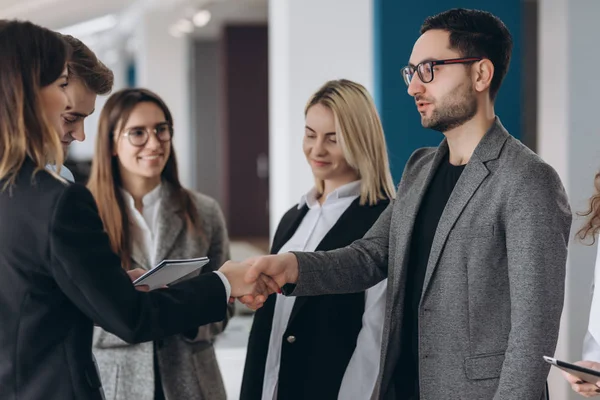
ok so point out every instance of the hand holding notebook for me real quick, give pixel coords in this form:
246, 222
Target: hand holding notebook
169, 271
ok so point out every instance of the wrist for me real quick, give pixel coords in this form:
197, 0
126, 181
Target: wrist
291, 270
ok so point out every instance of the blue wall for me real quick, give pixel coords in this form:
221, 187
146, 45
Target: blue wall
131, 75
396, 27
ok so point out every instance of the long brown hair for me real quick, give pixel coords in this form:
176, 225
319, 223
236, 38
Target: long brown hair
105, 179
591, 226
32, 58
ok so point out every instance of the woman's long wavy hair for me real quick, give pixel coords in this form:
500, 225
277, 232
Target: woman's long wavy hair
105, 178
31, 58
591, 226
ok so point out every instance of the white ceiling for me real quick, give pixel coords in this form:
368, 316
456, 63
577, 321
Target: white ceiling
56, 14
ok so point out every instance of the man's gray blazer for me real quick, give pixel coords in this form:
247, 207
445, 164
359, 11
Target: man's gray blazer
493, 290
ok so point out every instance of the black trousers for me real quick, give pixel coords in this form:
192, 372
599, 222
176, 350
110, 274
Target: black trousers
159, 394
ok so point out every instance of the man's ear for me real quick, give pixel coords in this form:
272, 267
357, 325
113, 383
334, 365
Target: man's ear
483, 73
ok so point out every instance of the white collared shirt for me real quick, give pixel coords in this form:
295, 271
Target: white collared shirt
314, 226
362, 371
591, 342
143, 225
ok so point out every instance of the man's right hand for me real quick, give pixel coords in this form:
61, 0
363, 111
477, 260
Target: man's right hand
281, 268
584, 388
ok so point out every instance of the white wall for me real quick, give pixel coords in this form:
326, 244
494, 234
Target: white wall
163, 66
310, 42
207, 140
569, 139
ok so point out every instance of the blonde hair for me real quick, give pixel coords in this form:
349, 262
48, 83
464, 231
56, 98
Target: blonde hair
32, 58
360, 135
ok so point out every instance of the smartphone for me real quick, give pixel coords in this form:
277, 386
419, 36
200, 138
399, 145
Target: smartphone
585, 374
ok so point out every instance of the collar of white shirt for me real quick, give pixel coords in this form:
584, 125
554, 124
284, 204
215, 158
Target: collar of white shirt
310, 199
150, 199
64, 172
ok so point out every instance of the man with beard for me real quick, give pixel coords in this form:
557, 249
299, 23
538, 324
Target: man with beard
88, 78
474, 245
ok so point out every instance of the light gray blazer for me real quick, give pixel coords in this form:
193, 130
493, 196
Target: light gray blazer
188, 367
493, 290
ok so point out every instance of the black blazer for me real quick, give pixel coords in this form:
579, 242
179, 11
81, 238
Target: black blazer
322, 331
58, 276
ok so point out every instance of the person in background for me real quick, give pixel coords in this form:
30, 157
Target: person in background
150, 217
59, 273
323, 347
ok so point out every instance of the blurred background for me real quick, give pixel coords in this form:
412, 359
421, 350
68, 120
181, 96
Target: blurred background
237, 73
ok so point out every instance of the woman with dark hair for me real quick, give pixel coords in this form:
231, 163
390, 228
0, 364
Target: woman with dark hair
149, 217
59, 273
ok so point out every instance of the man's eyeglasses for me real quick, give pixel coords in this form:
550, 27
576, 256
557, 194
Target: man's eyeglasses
425, 68
139, 136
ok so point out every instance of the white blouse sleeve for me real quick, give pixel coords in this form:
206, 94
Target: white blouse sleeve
363, 369
591, 342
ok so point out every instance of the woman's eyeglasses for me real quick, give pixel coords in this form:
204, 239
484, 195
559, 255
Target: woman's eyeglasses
139, 136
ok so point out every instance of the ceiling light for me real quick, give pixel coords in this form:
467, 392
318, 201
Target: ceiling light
175, 32
201, 18
185, 26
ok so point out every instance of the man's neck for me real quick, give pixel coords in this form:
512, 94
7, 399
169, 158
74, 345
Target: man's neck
463, 140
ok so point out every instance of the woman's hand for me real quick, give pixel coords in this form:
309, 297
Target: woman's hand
585, 389
136, 273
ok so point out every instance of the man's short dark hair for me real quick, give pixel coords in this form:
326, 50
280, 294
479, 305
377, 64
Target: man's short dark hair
84, 65
476, 33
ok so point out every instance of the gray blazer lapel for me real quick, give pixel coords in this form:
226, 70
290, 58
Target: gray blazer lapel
138, 256
469, 181
410, 195
169, 225
409, 207
474, 174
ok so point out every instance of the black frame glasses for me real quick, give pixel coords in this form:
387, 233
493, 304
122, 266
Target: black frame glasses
162, 135
425, 69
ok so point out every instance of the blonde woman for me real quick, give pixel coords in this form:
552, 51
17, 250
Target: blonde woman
150, 217
324, 346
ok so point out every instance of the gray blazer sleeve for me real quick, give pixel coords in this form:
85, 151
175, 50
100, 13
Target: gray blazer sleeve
538, 223
354, 268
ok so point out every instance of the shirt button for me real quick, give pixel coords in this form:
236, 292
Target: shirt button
291, 339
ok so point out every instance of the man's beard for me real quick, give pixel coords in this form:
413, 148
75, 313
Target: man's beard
457, 109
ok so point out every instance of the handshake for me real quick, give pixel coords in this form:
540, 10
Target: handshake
254, 279
251, 280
